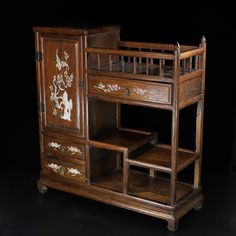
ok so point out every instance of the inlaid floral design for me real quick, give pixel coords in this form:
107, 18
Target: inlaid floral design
62, 105
62, 170
152, 94
54, 167
74, 150
54, 145
108, 88
59, 147
73, 171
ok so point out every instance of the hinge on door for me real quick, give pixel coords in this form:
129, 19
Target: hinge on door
38, 56
40, 107
81, 84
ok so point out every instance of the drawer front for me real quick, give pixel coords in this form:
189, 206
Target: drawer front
127, 89
66, 170
63, 150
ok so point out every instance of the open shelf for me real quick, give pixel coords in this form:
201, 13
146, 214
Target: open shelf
143, 186
125, 138
159, 158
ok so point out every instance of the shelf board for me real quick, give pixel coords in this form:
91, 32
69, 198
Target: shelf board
159, 158
124, 138
143, 186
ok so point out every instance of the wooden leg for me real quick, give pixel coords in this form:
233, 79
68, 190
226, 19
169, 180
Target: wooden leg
172, 225
199, 128
41, 187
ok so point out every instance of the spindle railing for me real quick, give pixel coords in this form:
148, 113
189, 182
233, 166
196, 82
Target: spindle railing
147, 61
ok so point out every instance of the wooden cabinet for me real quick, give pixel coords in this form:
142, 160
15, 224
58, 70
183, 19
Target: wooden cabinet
83, 77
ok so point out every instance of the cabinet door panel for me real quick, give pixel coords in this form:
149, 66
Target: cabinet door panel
61, 77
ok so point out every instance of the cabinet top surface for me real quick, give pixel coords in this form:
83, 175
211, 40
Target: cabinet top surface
75, 30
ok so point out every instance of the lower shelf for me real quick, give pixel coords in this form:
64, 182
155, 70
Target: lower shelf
159, 158
143, 186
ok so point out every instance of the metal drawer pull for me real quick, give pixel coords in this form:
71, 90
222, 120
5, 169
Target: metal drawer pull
63, 148
127, 92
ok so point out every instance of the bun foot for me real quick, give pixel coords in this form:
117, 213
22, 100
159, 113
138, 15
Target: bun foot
172, 225
41, 187
198, 206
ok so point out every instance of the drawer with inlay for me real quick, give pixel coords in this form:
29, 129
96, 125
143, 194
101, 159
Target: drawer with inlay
130, 89
66, 170
64, 150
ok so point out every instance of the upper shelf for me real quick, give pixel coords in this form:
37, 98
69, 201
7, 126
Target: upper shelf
159, 158
123, 139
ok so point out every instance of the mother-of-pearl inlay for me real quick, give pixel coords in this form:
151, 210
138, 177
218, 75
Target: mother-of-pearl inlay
62, 170
62, 104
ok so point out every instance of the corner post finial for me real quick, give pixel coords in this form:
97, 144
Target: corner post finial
203, 41
177, 46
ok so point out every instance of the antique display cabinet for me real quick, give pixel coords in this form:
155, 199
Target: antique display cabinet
83, 77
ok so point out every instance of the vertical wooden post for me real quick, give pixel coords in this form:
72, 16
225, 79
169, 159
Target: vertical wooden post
134, 65
190, 64
98, 62
125, 172
110, 62
88, 165
122, 64
151, 60
118, 155
140, 58
147, 66
184, 66
129, 57
152, 172
163, 60
196, 65
160, 67
199, 118
175, 126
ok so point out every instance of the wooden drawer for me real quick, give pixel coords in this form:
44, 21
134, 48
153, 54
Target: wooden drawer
127, 89
63, 150
66, 170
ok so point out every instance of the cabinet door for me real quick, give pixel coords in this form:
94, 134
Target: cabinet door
61, 82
